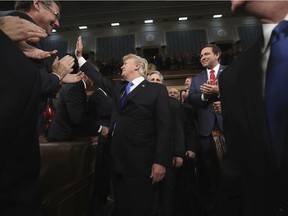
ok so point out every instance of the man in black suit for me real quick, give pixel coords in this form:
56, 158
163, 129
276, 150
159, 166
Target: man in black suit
100, 110
71, 119
19, 154
140, 141
46, 14
254, 174
168, 187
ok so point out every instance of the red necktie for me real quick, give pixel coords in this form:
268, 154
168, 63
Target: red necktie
212, 77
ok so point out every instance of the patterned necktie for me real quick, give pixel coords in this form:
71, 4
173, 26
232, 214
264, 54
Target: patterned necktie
276, 87
212, 77
127, 91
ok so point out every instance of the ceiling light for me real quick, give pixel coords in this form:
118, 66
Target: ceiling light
54, 30
82, 27
217, 16
148, 21
182, 18
115, 24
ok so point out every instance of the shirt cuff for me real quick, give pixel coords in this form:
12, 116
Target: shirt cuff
56, 75
81, 61
100, 128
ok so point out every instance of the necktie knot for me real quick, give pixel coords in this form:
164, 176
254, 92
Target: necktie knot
212, 77
127, 89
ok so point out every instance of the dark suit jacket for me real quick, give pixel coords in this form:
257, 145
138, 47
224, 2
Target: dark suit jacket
49, 82
178, 139
100, 107
205, 112
71, 118
188, 115
249, 172
140, 128
19, 153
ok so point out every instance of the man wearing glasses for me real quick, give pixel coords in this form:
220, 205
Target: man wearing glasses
46, 15
19, 172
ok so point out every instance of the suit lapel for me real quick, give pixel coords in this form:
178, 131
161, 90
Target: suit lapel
254, 104
221, 68
136, 91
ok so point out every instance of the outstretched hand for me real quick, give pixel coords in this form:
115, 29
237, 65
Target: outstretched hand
79, 47
72, 78
33, 52
20, 29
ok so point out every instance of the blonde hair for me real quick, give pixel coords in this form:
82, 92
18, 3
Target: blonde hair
138, 60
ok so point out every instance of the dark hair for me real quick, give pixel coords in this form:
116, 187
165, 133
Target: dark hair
215, 48
26, 5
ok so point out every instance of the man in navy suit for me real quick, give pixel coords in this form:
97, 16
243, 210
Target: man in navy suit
202, 93
254, 180
140, 141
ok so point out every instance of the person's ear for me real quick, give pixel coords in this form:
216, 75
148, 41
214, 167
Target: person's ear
36, 4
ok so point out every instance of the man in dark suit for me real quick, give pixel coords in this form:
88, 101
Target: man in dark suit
140, 141
100, 110
71, 119
46, 14
254, 173
168, 187
19, 154
202, 93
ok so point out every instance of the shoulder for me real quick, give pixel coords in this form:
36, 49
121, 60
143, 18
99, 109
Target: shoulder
201, 75
20, 14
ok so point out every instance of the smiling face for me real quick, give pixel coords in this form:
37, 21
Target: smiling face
208, 58
48, 15
187, 82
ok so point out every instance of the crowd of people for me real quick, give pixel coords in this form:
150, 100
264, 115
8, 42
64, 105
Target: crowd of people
158, 147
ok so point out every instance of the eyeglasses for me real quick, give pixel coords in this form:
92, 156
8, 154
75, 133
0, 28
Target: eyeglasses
57, 15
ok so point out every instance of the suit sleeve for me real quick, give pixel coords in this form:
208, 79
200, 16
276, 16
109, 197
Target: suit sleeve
194, 96
178, 129
75, 104
163, 149
50, 83
103, 82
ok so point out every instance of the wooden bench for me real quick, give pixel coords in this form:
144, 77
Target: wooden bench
66, 176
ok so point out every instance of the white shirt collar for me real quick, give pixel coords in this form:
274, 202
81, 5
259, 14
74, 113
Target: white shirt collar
216, 69
137, 81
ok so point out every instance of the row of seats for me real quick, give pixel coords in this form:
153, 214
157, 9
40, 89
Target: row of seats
66, 176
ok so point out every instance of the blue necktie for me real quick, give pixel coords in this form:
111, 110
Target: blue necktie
127, 91
276, 89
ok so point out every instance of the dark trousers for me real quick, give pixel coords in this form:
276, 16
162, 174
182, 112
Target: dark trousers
208, 171
187, 201
134, 195
168, 193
